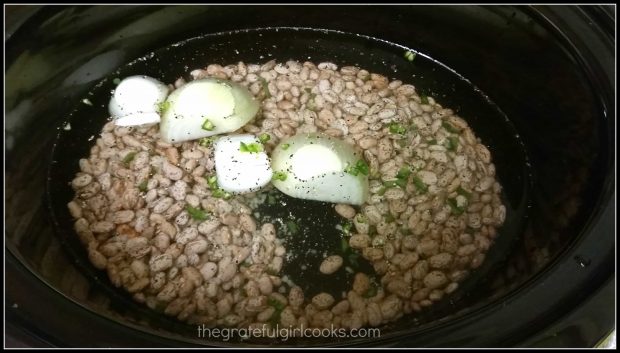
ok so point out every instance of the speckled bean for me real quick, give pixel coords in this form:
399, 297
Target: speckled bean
331, 264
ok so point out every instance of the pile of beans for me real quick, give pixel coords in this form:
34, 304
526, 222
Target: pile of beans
432, 214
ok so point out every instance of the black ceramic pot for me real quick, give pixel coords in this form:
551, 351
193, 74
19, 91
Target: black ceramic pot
537, 84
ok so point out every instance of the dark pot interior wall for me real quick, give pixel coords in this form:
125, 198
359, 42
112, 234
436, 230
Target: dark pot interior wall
562, 114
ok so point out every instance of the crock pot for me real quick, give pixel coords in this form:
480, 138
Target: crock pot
550, 69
